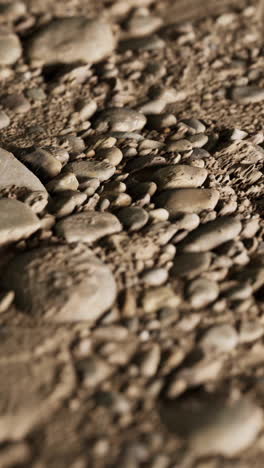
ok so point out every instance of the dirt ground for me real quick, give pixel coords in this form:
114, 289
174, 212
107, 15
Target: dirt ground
101, 393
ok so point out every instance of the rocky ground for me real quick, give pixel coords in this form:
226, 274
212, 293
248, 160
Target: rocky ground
131, 234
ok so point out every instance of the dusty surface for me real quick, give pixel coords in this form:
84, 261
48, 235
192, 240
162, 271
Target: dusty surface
165, 369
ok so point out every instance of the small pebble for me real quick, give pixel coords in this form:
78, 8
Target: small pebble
201, 292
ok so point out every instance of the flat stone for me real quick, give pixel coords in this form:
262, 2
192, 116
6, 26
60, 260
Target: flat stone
67, 201
43, 163
120, 120
160, 121
158, 298
188, 200
212, 425
142, 25
221, 338
212, 234
91, 168
17, 103
179, 145
17, 221
179, 176
198, 140
247, 94
88, 226
10, 48
61, 283
202, 292
14, 174
196, 125
191, 264
64, 181
70, 40
133, 217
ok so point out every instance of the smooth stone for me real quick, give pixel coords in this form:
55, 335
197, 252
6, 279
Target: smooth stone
142, 25
149, 361
114, 155
212, 234
71, 40
67, 201
14, 174
133, 217
247, 94
61, 283
212, 425
202, 292
87, 226
195, 124
12, 11
179, 145
64, 181
188, 200
191, 264
91, 168
10, 48
17, 103
120, 120
4, 120
86, 109
199, 153
155, 276
221, 338
198, 140
152, 42
43, 163
158, 298
17, 221
160, 121
179, 176
250, 331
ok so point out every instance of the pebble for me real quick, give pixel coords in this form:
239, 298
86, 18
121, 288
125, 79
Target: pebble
149, 361
10, 48
12, 11
212, 234
66, 203
17, 103
4, 120
179, 145
88, 226
195, 125
145, 43
247, 94
91, 168
221, 338
191, 264
120, 120
163, 120
64, 181
17, 221
198, 140
238, 134
113, 155
86, 109
72, 283
14, 173
201, 292
188, 200
212, 425
42, 162
70, 40
6, 299
250, 331
142, 25
179, 176
155, 276
93, 371
158, 298
133, 217
159, 214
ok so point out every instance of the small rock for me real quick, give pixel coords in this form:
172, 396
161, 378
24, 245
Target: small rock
198, 140
133, 218
10, 48
191, 264
155, 276
250, 331
90, 168
66, 203
6, 299
179, 176
17, 103
142, 25
43, 163
212, 234
114, 155
221, 338
149, 361
247, 94
93, 371
88, 226
17, 221
196, 125
160, 121
86, 109
158, 298
188, 200
202, 292
70, 40
64, 181
179, 145
120, 120
61, 283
